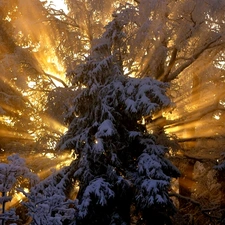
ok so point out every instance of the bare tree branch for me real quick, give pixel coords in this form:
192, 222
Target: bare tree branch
173, 75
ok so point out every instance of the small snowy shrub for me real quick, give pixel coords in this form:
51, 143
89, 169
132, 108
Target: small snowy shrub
47, 202
13, 176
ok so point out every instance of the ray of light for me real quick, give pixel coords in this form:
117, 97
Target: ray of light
43, 41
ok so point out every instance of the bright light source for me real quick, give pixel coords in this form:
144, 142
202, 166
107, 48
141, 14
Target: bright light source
58, 4
31, 84
49, 155
216, 116
7, 120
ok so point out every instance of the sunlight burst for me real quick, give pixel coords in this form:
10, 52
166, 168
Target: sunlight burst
58, 4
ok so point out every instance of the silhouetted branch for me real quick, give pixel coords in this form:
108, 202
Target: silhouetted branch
173, 75
55, 78
164, 77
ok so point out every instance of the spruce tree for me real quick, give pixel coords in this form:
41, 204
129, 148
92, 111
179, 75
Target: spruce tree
122, 171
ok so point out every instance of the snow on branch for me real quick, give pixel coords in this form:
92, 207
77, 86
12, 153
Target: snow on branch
150, 166
106, 129
151, 193
101, 190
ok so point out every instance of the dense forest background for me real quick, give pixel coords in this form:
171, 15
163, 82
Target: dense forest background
102, 99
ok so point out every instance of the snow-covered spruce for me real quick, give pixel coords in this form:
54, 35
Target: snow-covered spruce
120, 165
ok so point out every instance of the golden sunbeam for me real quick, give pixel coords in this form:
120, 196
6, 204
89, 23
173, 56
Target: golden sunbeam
24, 81
43, 39
6, 133
54, 125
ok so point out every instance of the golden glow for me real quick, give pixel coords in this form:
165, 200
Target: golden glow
42, 59
54, 125
7, 120
40, 163
31, 84
42, 43
49, 155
